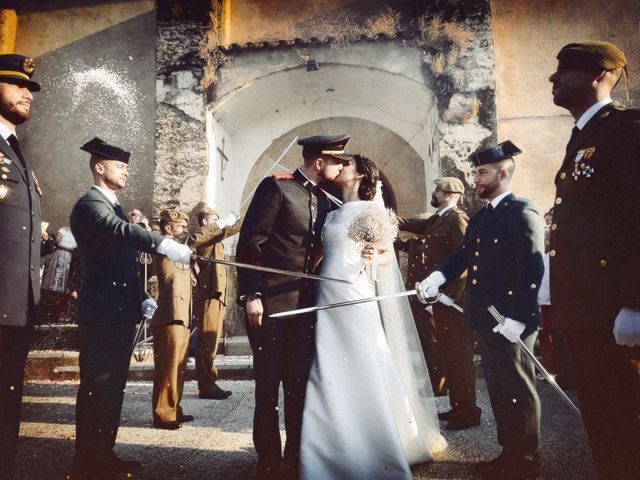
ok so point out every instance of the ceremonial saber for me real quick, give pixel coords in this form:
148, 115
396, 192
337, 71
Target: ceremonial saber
250, 196
260, 268
300, 311
552, 381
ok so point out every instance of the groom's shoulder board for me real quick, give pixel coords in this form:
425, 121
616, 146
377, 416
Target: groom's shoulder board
283, 176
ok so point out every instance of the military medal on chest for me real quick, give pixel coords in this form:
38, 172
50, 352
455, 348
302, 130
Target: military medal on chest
580, 165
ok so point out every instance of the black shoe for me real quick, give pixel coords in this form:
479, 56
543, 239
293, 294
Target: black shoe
182, 418
170, 425
125, 466
462, 423
446, 416
217, 394
509, 467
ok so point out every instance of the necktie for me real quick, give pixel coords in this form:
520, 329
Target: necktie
574, 133
120, 211
15, 145
489, 207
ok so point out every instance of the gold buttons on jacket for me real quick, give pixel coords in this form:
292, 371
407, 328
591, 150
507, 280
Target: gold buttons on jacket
533, 286
475, 268
552, 253
558, 201
603, 263
510, 292
474, 281
554, 227
563, 175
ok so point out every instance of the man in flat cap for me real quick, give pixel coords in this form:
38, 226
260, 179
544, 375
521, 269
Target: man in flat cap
210, 301
20, 219
282, 230
109, 306
440, 235
595, 255
502, 252
170, 327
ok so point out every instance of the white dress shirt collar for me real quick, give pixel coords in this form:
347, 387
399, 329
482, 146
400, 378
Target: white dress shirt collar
5, 132
109, 194
591, 111
444, 210
498, 199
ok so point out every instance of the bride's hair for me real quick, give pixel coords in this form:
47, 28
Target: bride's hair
366, 167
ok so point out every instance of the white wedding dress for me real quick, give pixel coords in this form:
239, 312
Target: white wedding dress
365, 417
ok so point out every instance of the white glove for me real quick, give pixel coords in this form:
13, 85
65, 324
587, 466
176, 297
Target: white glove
511, 329
148, 308
428, 288
626, 330
227, 220
176, 252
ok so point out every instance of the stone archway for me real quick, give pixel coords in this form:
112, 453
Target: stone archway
401, 167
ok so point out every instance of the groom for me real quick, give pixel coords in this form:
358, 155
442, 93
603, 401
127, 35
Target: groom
282, 230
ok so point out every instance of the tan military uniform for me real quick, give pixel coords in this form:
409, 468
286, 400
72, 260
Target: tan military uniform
210, 300
170, 328
439, 236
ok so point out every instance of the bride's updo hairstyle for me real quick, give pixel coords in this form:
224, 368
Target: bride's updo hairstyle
369, 181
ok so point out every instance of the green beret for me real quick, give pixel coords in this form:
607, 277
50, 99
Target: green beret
450, 184
592, 56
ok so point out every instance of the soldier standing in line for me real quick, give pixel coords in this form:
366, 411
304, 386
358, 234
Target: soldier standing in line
502, 252
210, 302
440, 235
20, 218
595, 254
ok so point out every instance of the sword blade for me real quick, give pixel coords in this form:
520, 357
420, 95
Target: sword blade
550, 378
291, 313
260, 268
250, 195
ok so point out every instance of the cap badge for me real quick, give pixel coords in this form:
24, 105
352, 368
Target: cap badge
28, 65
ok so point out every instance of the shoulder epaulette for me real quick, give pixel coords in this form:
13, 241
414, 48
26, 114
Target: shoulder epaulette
283, 176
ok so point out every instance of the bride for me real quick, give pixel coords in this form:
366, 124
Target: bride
369, 410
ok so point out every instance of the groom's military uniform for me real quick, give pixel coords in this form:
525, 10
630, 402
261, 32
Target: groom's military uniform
282, 230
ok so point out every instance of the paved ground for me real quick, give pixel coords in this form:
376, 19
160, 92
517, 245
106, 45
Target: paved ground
217, 445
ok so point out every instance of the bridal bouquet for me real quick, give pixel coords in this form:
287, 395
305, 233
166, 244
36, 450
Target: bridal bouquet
375, 225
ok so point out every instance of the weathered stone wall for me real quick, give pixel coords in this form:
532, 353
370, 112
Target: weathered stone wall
527, 36
95, 61
181, 145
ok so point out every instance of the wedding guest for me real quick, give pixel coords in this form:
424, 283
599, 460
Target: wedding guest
282, 229
20, 219
595, 287
55, 283
502, 251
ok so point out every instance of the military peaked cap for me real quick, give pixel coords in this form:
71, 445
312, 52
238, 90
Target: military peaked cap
450, 184
18, 69
592, 56
100, 148
332, 145
174, 216
495, 154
